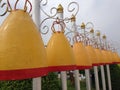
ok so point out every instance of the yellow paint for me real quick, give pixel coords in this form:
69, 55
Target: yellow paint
99, 55
59, 51
117, 59
92, 54
21, 46
81, 56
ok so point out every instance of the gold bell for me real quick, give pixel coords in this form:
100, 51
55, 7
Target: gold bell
92, 55
106, 57
81, 56
22, 52
117, 59
59, 52
99, 56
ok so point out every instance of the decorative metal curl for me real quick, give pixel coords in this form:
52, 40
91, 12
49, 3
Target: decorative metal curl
89, 25
73, 9
25, 6
2, 6
45, 3
51, 10
68, 37
58, 22
45, 27
78, 38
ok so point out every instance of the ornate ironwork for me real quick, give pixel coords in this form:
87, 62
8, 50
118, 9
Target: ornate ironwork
2, 5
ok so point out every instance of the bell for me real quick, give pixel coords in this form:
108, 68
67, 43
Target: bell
117, 59
110, 57
81, 56
99, 56
59, 52
106, 57
92, 55
22, 52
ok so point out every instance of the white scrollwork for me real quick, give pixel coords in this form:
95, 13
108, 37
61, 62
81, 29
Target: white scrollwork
71, 7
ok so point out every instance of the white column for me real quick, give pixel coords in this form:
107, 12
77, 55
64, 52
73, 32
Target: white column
76, 72
87, 74
95, 70
64, 80
77, 81
102, 69
103, 77
63, 73
36, 19
109, 78
96, 78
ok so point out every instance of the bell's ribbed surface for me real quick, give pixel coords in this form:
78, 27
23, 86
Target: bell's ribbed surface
22, 53
81, 57
60, 54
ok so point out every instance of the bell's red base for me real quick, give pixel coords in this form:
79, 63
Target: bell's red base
96, 64
22, 74
84, 67
61, 68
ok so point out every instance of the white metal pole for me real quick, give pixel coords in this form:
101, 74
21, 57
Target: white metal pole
87, 74
96, 78
36, 19
95, 70
62, 73
76, 72
77, 81
87, 71
64, 80
109, 78
102, 68
103, 77
107, 67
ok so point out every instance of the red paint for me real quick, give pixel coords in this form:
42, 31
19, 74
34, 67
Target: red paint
22, 74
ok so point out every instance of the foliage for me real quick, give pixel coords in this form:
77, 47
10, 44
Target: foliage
51, 82
115, 76
16, 85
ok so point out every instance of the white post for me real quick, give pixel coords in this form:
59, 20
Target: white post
95, 69
87, 71
62, 73
76, 72
36, 19
77, 81
103, 77
109, 78
64, 80
107, 66
87, 74
96, 78
102, 68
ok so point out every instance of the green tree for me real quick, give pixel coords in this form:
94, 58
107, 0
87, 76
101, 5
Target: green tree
51, 82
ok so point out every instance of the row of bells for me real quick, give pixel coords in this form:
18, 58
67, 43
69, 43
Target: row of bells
23, 55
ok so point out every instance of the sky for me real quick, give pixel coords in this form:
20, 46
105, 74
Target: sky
104, 14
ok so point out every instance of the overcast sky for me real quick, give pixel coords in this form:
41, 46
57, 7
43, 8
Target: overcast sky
105, 14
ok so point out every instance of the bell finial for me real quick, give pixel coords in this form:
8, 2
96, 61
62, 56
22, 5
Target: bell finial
73, 18
82, 25
60, 9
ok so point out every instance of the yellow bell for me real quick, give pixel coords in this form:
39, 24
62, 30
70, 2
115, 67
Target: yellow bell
81, 57
117, 59
106, 57
22, 53
92, 55
111, 56
114, 58
99, 56
60, 54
